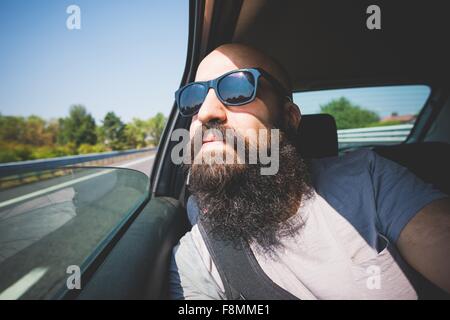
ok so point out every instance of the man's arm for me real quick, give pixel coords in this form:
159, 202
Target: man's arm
425, 242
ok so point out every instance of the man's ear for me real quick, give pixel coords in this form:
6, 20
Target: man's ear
291, 115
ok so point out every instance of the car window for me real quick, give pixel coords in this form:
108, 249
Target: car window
368, 116
55, 226
85, 92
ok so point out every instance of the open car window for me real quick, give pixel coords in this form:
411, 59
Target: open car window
368, 116
85, 91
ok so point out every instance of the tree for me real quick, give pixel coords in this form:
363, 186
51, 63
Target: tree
32, 130
78, 128
52, 131
156, 127
100, 133
114, 131
11, 128
348, 115
136, 133
35, 132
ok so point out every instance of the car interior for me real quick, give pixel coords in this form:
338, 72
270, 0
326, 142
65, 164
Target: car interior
341, 53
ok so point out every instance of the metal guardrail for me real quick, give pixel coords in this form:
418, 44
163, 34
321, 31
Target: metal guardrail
11, 168
373, 136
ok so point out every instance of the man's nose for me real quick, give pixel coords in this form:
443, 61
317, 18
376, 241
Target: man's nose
212, 109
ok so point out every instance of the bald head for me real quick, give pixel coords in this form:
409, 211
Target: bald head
266, 111
233, 56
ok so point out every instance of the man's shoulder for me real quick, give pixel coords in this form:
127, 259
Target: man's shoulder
346, 184
354, 167
362, 158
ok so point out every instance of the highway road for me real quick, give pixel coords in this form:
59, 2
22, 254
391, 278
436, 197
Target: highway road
49, 225
143, 164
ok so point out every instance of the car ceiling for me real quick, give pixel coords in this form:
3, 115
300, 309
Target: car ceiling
326, 44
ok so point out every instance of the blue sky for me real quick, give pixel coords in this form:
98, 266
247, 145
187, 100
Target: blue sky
128, 57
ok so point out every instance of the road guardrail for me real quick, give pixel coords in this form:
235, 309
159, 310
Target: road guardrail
373, 136
21, 167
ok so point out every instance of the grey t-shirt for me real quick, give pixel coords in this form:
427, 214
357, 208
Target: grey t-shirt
346, 247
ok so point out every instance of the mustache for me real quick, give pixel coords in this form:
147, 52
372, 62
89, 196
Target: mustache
216, 127
253, 147
228, 135
220, 132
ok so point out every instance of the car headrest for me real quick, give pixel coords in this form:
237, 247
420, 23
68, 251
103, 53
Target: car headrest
317, 136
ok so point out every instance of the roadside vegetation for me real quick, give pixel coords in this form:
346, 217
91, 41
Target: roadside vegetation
29, 138
349, 115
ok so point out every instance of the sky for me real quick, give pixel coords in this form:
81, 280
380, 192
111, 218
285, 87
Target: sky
128, 57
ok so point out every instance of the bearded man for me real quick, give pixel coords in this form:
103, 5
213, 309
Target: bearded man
315, 228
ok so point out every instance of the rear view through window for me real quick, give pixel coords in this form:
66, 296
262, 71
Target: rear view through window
368, 116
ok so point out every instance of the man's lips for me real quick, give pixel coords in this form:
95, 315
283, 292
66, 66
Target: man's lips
209, 141
211, 138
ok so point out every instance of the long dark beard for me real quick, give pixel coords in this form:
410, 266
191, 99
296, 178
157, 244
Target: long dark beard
237, 202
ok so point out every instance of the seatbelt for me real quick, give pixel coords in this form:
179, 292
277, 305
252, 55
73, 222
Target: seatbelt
241, 275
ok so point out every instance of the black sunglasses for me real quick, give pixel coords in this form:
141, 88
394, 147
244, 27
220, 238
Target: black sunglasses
234, 88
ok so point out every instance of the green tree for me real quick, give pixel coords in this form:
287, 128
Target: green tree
348, 115
11, 128
100, 133
32, 130
114, 131
35, 132
156, 127
78, 128
52, 131
136, 133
